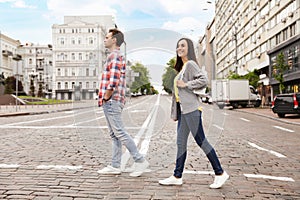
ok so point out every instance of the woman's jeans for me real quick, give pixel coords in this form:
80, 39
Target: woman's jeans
192, 122
113, 114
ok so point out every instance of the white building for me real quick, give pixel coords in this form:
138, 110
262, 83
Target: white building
78, 55
38, 67
10, 60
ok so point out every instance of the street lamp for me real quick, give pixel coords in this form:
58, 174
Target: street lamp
17, 58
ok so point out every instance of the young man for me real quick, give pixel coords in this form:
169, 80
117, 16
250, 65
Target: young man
112, 99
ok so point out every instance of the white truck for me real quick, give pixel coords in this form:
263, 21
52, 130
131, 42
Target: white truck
234, 93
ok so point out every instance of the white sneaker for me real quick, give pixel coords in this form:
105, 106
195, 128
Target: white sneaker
140, 168
110, 170
172, 180
219, 181
129, 169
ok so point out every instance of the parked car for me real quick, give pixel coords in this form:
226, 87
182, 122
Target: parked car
286, 104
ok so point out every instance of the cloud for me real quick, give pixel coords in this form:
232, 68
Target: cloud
18, 4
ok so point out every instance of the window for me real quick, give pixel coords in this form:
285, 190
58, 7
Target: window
80, 56
79, 40
66, 71
87, 85
73, 41
73, 72
94, 85
58, 72
87, 71
30, 61
66, 85
73, 56
59, 85
62, 41
91, 40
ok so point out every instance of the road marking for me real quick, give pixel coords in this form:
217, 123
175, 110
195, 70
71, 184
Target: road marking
198, 172
269, 177
6, 166
279, 155
284, 129
59, 167
147, 128
246, 120
219, 127
137, 111
62, 127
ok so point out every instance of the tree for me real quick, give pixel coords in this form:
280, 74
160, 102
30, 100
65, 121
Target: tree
279, 69
10, 85
140, 82
40, 91
168, 76
32, 88
253, 77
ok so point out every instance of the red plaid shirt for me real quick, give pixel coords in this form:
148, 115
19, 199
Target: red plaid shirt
113, 77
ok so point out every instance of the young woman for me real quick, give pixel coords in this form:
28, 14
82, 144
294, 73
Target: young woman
186, 108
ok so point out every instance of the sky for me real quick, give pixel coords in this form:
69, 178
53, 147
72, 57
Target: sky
163, 22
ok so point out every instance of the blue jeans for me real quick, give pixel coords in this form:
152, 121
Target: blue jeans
113, 114
192, 122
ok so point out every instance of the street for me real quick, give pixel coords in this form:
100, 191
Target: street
57, 155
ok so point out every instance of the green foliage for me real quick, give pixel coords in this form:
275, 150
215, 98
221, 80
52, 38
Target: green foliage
168, 76
279, 69
253, 77
40, 91
32, 88
10, 85
142, 82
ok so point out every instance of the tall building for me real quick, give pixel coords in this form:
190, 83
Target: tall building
247, 35
78, 55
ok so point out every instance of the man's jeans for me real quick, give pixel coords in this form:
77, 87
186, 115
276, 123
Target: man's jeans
192, 122
113, 114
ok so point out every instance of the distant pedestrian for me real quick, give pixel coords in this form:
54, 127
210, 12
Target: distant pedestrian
112, 99
186, 108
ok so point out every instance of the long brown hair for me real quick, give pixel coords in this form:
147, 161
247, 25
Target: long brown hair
191, 54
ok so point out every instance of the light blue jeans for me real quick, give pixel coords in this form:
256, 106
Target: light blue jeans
113, 114
192, 122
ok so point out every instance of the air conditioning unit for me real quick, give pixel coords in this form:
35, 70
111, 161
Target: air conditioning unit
254, 24
258, 55
277, 3
290, 14
258, 37
283, 20
254, 8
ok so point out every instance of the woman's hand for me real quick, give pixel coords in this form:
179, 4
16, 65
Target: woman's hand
181, 84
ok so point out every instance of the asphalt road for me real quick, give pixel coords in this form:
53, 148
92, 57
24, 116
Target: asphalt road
57, 155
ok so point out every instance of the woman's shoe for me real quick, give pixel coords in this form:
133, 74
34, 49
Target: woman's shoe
172, 180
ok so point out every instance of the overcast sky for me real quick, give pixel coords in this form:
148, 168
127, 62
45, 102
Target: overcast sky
167, 20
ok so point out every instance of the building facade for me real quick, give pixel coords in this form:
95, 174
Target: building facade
10, 59
78, 55
243, 33
37, 69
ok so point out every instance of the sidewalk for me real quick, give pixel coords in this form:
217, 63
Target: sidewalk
12, 110
268, 113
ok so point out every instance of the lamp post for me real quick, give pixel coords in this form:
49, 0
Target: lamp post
17, 58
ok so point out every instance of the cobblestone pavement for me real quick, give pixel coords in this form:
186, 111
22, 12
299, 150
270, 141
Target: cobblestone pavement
47, 157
